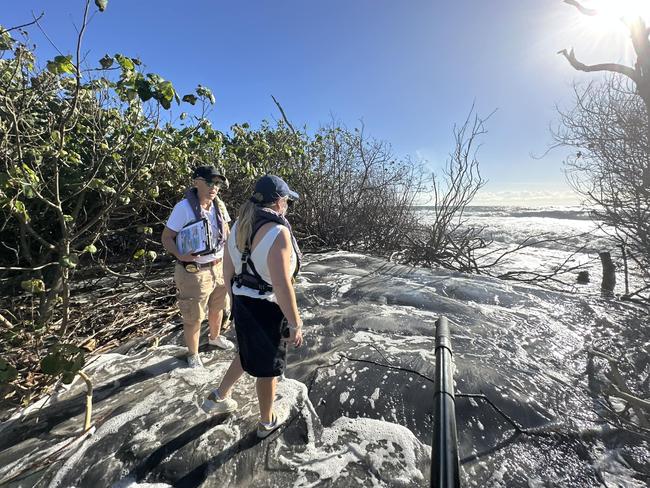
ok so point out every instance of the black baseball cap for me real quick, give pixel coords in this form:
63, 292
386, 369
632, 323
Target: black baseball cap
270, 187
209, 173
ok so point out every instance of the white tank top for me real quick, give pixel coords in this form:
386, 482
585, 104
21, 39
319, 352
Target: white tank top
259, 256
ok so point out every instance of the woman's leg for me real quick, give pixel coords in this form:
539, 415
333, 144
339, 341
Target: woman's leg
233, 373
265, 396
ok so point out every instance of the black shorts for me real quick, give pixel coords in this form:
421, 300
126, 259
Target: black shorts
259, 325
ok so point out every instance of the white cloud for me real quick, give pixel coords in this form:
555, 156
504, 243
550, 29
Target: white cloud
527, 198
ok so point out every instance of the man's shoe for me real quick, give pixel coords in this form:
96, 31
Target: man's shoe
194, 361
215, 404
264, 429
221, 342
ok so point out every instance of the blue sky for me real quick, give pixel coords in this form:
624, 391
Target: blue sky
408, 69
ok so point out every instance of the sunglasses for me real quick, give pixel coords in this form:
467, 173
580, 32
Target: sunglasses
211, 184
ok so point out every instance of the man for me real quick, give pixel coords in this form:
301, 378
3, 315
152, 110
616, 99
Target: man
199, 278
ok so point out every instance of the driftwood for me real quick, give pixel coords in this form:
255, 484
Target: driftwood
619, 388
104, 313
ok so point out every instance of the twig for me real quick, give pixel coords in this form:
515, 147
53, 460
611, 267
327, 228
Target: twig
35, 21
284, 116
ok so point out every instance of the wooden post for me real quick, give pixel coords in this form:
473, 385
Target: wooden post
609, 273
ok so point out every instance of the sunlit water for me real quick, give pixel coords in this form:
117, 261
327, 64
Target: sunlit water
358, 395
559, 237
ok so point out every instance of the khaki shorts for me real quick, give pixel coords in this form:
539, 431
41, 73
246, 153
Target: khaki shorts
199, 291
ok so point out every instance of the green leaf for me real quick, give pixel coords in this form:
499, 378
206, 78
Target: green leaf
106, 62
183, 115
139, 254
33, 286
30, 174
7, 372
18, 208
68, 377
61, 65
165, 93
70, 261
154, 192
28, 190
52, 364
66, 359
101, 4
143, 87
90, 248
73, 157
206, 93
151, 255
189, 98
67, 218
6, 41
145, 230
126, 63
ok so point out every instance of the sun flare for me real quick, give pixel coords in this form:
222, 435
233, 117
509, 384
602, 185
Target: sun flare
625, 10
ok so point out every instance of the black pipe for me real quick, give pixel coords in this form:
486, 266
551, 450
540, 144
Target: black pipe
444, 448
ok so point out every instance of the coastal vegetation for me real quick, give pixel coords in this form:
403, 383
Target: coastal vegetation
608, 128
92, 158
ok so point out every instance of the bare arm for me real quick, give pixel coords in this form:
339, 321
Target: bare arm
228, 271
279, 263
168, 240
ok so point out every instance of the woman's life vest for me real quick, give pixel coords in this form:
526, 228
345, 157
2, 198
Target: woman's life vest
249, 277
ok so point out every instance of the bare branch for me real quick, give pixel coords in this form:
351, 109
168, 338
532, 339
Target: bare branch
284, 116
35, 268
36, 19
582, 9
612, 67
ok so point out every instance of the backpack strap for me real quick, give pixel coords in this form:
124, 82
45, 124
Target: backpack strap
251, 279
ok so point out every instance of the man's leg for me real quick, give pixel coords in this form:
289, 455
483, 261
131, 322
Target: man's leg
217, 302
192, 292
215, 316
265, 396
191, 332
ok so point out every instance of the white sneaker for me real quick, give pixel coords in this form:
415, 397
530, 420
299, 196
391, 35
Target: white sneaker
264, 429
221, 342
215, 404
194, 361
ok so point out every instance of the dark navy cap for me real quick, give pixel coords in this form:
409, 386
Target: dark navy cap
209, 173
270, 187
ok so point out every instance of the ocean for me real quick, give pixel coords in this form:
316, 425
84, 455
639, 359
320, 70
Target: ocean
559, 237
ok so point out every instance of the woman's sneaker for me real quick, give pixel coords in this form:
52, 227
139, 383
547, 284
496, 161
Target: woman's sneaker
264, 429
221, 342
194, 361
215, 404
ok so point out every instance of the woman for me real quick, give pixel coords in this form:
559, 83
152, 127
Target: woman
261, 259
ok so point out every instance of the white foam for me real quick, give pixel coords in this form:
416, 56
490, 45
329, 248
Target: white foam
390, 451
111, 426
132, 483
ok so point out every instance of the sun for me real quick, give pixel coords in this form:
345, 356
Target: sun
625, 10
